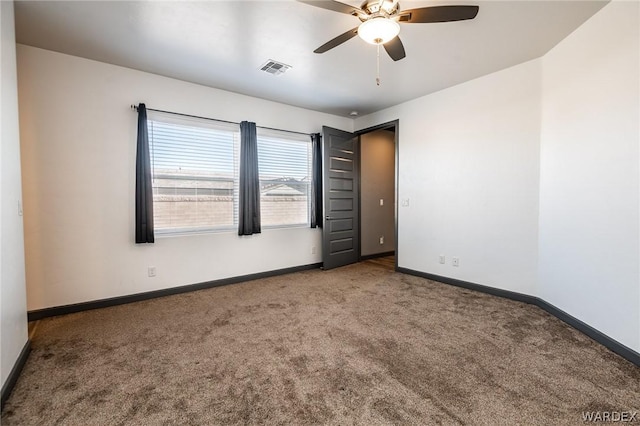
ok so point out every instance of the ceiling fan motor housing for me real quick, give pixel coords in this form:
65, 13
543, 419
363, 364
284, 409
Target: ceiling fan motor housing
375, 8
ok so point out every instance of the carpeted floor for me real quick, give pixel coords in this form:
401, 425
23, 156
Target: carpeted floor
356, 345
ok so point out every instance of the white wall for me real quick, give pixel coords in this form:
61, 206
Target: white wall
78, 147
589, 192
13, 307
469, 166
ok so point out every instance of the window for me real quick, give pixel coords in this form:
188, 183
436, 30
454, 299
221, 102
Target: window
285, 177
195, 173
195, 166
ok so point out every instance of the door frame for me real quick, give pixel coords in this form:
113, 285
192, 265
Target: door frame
395, 124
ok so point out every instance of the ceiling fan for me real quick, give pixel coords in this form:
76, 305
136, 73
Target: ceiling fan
380, 21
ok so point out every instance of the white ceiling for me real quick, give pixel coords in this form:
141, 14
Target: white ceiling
222, 44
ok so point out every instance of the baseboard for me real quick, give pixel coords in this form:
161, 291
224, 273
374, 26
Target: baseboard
598, 336
520, 297
121, 300
613, 345
15, 373
377, 255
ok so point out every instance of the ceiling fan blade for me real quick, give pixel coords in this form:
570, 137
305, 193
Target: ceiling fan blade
425, 15
395, 49
337, 41
336, 6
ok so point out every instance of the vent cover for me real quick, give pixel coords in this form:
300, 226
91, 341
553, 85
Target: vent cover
274, 67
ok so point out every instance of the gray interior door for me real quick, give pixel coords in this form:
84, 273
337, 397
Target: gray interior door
340, 176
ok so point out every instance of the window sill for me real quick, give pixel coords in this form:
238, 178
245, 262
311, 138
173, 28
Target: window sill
196, 232
270, 227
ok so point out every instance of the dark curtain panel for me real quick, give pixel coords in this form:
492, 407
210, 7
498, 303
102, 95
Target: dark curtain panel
144, 192
249, 205
316, 181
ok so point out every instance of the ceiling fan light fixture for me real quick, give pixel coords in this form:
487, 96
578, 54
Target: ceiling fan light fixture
378, 30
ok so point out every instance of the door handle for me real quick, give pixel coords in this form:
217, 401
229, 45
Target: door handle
328, 217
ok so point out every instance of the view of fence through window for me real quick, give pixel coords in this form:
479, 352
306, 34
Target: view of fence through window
285, 177
195, 166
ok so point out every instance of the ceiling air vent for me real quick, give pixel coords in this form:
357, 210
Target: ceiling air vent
274, 67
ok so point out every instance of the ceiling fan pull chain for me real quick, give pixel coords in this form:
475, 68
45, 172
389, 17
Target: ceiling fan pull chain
378, 67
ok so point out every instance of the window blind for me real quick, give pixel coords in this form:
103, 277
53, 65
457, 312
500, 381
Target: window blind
284, 161
195, 173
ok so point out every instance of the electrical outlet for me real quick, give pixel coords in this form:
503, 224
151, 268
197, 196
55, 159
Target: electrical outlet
151, 271
442, 259
313, 250
455, 261
382, 240
381, 202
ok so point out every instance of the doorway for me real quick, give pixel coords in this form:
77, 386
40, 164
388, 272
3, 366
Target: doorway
377, 193
345, 239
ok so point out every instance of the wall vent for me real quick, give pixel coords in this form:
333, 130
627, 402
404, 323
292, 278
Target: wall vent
274, 67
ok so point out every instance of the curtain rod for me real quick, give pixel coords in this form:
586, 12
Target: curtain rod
134, 107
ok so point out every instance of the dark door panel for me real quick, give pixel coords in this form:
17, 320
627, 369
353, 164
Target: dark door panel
340, 237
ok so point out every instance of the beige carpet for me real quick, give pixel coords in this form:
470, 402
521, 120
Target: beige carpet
357, 345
